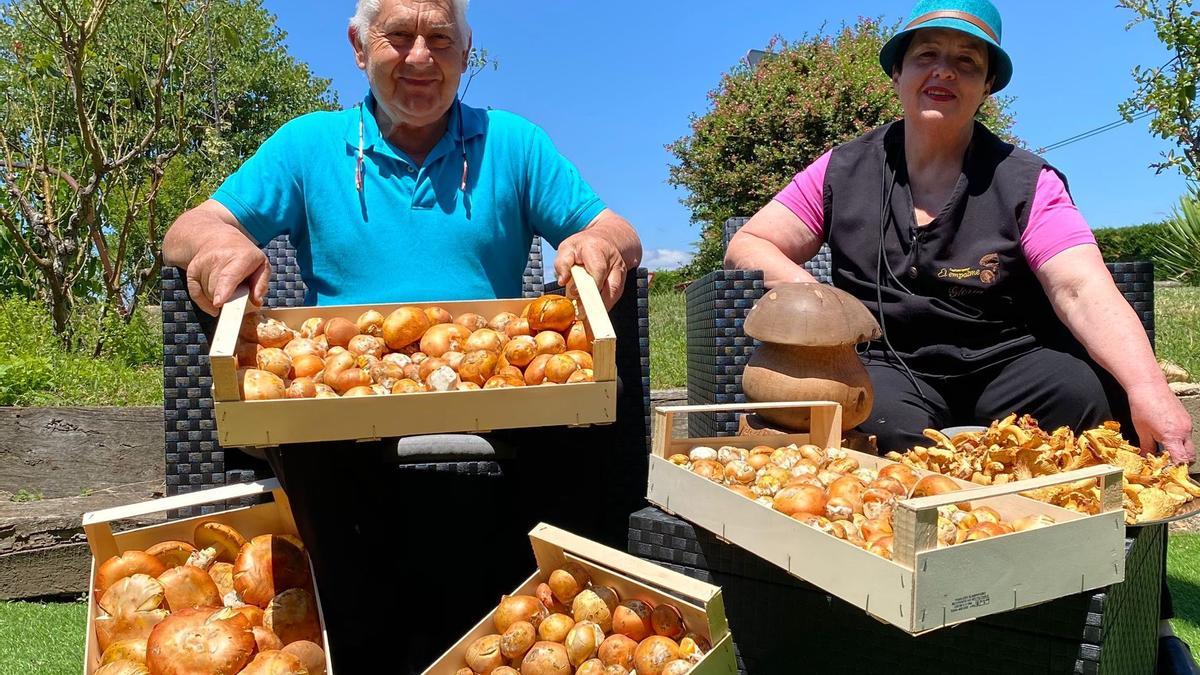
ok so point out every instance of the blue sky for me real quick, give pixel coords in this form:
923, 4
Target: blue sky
613, 82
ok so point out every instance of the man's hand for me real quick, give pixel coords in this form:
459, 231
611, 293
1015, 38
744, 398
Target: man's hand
218, 255
599, 257
608, 248
220, 266
1159, 418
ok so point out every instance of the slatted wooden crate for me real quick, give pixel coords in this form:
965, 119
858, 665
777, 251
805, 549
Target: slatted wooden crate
273, 517
268, 423
700, 604
924, 587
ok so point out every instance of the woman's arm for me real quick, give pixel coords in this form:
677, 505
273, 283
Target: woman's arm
1085, 298
775, 241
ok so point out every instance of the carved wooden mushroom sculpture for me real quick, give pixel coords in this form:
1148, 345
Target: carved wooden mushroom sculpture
808, 333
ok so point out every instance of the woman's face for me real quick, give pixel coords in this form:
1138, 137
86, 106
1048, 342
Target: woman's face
943, 78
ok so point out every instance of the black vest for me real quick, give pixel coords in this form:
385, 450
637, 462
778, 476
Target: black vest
959, 295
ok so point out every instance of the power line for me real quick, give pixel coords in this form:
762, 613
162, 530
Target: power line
1107, 127
1094, 132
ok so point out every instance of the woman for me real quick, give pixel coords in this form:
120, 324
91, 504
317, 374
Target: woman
987, 282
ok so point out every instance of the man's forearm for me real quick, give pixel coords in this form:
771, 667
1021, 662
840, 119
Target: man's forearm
191, 231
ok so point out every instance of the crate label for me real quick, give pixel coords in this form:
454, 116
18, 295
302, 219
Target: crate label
970, 602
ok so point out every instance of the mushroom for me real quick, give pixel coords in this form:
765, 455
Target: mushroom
186, 586
127, 564
122, 667
808, 333
266, 567
310, 653
171, 553
292, 615
275, 662
137, 593
223, 538
111, 629
125, 650
187, 642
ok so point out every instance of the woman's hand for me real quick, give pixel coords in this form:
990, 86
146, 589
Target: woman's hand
1159, 418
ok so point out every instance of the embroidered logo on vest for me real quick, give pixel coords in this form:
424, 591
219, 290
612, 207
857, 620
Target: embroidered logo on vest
986, 272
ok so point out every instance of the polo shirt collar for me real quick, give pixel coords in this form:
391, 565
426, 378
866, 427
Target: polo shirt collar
372, 137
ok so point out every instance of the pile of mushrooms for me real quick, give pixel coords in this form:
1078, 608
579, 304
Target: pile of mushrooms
808, 333
827, 489
413, 349
572, 626
220, 604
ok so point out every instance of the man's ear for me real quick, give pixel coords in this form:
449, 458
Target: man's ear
466, 59
360, 56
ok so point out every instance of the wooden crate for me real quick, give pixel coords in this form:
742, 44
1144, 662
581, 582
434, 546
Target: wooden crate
633, 578
268, 423
924, 587
271, 518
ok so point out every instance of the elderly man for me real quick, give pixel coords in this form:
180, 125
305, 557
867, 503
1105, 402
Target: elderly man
409, 196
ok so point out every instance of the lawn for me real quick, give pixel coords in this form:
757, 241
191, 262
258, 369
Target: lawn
668, 340
41, 638
1176, 318
1177, 327
1183, 576
48, 638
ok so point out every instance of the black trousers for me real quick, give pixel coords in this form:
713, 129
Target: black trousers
408, 561
1058, 388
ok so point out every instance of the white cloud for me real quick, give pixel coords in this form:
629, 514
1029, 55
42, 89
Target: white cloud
665, 259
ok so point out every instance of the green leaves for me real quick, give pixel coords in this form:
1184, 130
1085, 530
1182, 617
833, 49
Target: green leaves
1179, 248
227, 83
1169, 91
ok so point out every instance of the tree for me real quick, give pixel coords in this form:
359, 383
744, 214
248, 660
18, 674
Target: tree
767, 123
117, 115
1168, 92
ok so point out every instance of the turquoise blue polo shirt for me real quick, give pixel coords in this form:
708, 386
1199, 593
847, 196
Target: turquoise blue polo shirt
411, 234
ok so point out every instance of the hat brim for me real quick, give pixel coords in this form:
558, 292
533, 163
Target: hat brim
890, 54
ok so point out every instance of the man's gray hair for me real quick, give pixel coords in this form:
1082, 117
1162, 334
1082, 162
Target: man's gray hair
366, 11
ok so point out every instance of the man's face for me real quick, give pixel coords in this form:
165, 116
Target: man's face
414, 55
944, 76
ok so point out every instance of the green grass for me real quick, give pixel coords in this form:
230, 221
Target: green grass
41, 638
1183, 576
1177, 327
668, 340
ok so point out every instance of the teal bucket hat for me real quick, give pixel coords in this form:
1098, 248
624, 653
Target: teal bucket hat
977, 18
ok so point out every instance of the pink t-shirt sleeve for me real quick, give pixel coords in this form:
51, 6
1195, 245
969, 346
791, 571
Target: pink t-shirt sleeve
805, 195
1055, 225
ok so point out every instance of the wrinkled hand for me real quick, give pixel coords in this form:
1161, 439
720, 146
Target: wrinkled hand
599, 257
1159, 417
223, 264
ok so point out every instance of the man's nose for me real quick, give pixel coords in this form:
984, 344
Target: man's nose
419, 54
